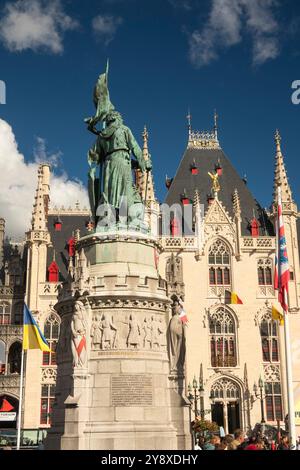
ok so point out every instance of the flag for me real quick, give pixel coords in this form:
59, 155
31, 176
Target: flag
183, 316
32, 335
232, 298
6, 406
276, 315
282, 258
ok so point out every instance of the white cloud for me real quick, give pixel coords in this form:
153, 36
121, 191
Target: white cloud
227, 23
18, 181
36, 25
105, 27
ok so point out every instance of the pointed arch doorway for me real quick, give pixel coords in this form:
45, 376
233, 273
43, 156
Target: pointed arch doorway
225, 398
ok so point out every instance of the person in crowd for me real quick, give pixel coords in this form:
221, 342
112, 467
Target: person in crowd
212, 443
284, 443
239, 438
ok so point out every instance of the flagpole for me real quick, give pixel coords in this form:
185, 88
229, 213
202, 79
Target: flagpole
20, 401
288, 356
289, 378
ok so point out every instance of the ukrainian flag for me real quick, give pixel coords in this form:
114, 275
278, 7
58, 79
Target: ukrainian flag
32, 335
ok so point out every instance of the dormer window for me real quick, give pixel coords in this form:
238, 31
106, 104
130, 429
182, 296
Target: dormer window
71, 247
254, 225
184, 199
194, 168
218, 168
53, 272
57, 224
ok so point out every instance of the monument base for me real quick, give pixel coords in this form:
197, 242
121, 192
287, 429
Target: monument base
119, 394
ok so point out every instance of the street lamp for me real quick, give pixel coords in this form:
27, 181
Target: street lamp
193, 395
260, 395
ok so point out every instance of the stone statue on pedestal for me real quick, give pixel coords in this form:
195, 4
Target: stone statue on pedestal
176, 340
79, 330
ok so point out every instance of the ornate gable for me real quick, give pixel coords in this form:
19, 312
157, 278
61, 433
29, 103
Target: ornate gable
217, 214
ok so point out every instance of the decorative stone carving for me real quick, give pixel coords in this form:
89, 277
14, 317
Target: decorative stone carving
272, 373
49, 375
147, 334
96, 333
174, 275
133, 340
79, 331
176, 340
216, 214
108, 340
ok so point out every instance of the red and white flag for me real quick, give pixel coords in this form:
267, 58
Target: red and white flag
282, 273
183, 316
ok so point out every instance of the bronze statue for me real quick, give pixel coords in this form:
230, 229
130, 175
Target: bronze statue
114, 189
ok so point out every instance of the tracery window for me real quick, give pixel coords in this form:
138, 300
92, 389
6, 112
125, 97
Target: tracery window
5, 312
219, 262
273, 394
47, 400
269, 340
264, 272
51, 334
222, 339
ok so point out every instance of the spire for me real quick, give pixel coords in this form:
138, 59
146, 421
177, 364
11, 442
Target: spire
236, 204
40, 207
144, 181
216, 117
280, 177
189, 120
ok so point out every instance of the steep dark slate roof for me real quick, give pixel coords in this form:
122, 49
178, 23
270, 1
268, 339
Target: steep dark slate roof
205, 160
70, 223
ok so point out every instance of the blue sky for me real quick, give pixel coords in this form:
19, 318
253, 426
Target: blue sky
238, 56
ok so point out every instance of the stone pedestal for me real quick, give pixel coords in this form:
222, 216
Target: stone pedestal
115, 390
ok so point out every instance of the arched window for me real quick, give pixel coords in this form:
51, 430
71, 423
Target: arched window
2, 357
273, 394
219, 261
222, 339
5, 310
48, 396
269, 340
51, 333
264, 272
18, 314
14, 358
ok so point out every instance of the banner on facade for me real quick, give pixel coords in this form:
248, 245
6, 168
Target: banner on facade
5, 416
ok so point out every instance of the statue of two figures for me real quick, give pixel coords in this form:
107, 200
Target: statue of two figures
114, 198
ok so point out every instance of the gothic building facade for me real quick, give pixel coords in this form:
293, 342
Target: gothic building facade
227, 244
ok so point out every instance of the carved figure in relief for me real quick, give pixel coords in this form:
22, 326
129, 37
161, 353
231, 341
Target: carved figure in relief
79, 329
154, 333
162, 334
176, 340
108, 337
147, 337
96, 333
133, 339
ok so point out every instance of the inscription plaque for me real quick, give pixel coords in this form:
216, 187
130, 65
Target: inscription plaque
132, 390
